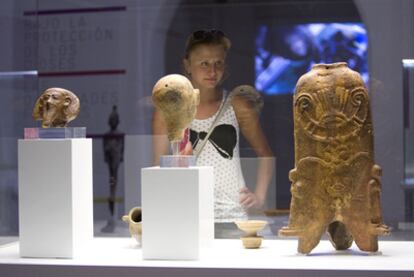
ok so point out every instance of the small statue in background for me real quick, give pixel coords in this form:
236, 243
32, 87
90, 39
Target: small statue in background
177, 101
335, 183
56, 107
248, 94
113, 146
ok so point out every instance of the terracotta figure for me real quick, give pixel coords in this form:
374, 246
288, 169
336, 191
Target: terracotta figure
177, 101
113, 146
56, 107
335, 183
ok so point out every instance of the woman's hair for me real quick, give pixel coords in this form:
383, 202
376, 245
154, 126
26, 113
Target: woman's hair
206, 36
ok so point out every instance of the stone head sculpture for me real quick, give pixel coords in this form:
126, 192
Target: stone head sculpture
248, 94
56, 107
335, 183
177, 101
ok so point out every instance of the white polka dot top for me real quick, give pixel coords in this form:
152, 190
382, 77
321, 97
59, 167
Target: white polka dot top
222, 152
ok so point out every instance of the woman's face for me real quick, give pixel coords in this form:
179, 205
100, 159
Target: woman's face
206, 65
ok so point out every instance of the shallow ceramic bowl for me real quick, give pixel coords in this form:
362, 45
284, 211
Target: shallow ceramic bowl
251, 242
250, 227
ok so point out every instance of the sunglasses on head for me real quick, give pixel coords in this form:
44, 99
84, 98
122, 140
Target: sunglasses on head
207, 34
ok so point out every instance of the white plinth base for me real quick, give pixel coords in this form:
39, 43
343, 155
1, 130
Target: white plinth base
177, 212
55, 197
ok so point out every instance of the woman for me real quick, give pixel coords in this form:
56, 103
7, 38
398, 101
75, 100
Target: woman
205, 65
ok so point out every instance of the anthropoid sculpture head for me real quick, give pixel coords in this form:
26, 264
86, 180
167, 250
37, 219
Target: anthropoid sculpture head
56, 107
177, 101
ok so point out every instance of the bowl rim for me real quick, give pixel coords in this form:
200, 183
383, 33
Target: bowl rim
250, 222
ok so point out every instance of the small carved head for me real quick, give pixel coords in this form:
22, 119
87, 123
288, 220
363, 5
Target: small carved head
56, 107
249, 95
177, 100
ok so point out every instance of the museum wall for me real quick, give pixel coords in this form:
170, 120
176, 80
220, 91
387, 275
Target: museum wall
390, 27
12, 115
114, 58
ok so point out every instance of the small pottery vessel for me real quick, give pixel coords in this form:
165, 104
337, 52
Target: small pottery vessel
134, 219
251, 227
252, 242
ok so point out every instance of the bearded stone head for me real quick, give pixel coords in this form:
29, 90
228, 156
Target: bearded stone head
177, 101
56, 107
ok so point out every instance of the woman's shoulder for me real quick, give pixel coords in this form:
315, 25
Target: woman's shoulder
209, 110
241, 105
246, 104
246, 97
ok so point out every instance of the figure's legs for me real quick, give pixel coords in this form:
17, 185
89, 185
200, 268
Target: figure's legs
363, 239
113, 180
110, 226
310, 213
314, 227
311, 236
308, 227
112, 194
359, 226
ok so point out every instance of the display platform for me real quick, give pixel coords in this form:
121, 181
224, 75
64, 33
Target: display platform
55, 133
55, 196
122, 257
178, 205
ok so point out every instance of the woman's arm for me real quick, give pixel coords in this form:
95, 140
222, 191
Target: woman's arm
248, 120
160, 143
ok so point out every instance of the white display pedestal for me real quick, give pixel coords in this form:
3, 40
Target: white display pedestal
177, 212
55, 196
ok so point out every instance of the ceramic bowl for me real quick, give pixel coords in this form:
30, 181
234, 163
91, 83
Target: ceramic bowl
250, 227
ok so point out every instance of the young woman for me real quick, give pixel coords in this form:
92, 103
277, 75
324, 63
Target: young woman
205, 65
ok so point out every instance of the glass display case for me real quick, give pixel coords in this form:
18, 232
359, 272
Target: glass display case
19, 88
408, 182
111, 53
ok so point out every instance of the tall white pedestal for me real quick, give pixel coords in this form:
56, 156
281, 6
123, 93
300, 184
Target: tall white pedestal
177, 212
55, 197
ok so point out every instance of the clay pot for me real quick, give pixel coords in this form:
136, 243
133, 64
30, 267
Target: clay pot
252, 242
134, 219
